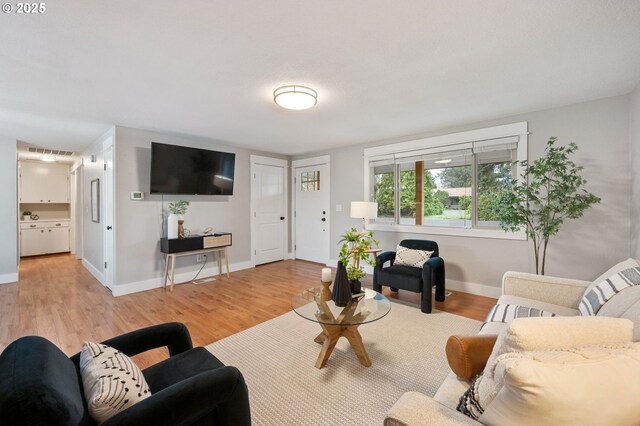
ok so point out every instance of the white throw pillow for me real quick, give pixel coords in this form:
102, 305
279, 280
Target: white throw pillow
582, 386
541, 334
112, 381
545, 333
410, 257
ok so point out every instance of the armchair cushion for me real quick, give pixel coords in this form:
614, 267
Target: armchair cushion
213, 397
39, 385
180, 367
112, 382
411, 257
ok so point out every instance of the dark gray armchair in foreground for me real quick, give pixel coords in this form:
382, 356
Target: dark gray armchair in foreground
40, 385
418, 280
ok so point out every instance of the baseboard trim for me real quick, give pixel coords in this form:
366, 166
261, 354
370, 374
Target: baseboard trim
463, 286
290, 256
93, 270
150, 284
11, 278
474, 288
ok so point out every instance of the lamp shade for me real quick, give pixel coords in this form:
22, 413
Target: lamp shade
364, 209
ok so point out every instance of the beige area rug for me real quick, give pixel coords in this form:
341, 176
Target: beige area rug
277, 360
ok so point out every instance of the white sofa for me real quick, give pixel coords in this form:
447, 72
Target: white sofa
560, 296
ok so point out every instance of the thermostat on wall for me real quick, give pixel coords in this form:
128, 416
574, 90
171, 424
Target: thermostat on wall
137, 195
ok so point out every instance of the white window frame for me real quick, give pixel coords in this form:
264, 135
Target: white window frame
450, 141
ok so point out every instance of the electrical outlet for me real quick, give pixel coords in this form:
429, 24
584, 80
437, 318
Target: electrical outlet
200, 258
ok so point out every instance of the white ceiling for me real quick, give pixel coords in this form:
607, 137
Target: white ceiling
383, 69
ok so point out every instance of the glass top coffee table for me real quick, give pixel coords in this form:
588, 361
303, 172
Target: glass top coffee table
316, 305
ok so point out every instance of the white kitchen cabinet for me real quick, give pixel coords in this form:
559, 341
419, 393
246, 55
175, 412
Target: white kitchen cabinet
32, 241
58, 240
44, 237
44, 182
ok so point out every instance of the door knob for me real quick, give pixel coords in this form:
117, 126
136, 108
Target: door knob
324, 212
324, 219
281, 217
109, 227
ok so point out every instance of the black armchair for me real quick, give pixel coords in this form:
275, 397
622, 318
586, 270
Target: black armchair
418, 280
40, 385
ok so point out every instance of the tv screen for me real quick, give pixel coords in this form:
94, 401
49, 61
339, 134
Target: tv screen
190, 171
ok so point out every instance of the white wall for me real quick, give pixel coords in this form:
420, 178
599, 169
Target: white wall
139, 224
9, 211
634, 145
583, 249
92, 232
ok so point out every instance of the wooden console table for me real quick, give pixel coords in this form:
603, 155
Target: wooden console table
190, 246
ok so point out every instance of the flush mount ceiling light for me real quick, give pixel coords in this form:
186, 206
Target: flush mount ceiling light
443, 161
295, 97
48, 158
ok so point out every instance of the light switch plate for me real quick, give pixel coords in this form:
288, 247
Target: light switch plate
136, 195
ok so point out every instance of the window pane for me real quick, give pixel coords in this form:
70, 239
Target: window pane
384, 192
310, 181
448, 190
495, 171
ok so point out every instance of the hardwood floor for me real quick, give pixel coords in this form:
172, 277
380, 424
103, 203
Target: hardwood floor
57, 298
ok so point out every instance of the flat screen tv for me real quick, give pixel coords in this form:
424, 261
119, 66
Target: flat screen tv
190, 171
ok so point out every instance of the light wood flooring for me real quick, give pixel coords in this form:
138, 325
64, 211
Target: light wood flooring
59, 299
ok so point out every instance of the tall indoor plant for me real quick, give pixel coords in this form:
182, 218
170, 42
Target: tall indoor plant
550, 190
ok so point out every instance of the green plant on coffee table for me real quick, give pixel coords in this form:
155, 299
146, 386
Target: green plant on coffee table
178, 207
354, 250
26, 213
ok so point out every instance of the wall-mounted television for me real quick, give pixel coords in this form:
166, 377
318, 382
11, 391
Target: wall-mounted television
190, 171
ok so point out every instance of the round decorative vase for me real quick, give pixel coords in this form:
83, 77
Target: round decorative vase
181, 228
356, 286
172, 226
341, 294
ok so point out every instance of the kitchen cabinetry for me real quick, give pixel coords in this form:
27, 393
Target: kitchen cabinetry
44, 237
44, 182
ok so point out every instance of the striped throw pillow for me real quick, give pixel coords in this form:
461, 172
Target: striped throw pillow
507, 312
410, 257
601, 293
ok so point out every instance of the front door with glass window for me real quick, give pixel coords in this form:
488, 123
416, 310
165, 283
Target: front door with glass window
312, 213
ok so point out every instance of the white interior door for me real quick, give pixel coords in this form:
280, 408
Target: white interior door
107, 220
312, 213
269, 205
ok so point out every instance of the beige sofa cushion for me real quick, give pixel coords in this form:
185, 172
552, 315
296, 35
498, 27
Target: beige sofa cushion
541, 334
582, 386
544, 333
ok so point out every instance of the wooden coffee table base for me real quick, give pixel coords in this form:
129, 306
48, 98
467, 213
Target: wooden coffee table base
329, 337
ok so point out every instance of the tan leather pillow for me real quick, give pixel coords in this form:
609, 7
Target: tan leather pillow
467, 355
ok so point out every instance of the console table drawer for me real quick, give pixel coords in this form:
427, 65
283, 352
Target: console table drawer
216, 241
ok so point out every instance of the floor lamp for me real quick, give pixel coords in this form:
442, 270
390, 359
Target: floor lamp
364, 210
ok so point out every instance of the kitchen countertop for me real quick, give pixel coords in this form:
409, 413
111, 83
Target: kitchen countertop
46, 220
